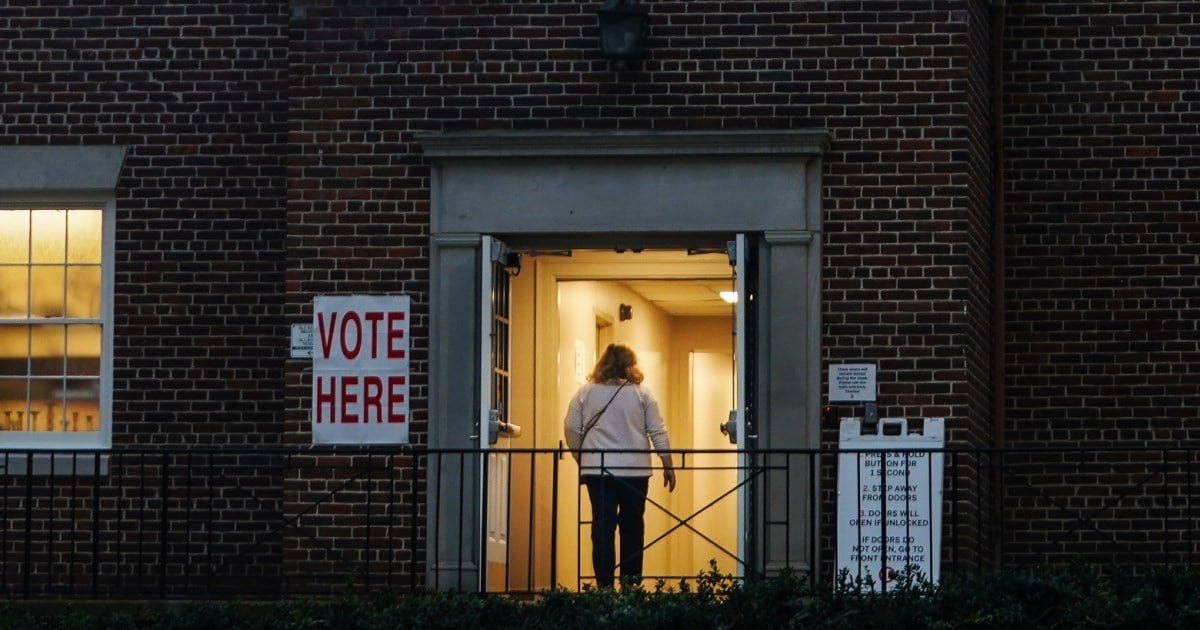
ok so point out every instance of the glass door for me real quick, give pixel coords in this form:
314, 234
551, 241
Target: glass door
494, 428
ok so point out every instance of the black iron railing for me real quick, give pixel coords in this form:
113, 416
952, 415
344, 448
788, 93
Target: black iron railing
271, 523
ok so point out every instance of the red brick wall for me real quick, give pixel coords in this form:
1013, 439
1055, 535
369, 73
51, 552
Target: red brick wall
975, 509
232, 110
891, 85
196, 91
217, 100
1102, 163
1102, 167
893, 89
981, 266
902, 89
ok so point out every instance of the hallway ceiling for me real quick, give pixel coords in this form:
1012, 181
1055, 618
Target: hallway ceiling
686, 298
680, 283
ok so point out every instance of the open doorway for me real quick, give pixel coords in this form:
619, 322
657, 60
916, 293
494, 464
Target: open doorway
668, 305
650, 189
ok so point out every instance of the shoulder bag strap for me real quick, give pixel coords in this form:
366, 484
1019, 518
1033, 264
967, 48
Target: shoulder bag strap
596, 418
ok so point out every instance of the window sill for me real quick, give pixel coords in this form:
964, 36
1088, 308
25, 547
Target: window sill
51, 464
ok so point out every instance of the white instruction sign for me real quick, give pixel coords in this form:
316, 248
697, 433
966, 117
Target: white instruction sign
850, 382
302, 341
889, 515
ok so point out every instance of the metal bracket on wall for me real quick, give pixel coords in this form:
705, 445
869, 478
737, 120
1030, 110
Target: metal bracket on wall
871, 417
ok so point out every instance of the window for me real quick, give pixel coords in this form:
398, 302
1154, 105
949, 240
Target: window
53, 323
57, 234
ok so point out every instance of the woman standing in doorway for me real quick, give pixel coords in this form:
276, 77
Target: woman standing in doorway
613, 419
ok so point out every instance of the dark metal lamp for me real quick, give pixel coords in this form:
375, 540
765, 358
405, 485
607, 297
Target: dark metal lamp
623, 27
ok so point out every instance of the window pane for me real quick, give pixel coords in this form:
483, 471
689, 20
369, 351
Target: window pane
14, 236
49, 240
82, 407
50, 407
41, 401
46, 350
14, 291
83, 236
83, 291
13, 394
14, 350
83, 350
47, 284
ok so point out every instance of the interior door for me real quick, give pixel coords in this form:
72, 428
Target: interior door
494, 428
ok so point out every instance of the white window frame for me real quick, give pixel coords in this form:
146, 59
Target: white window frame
102, 437
36, 178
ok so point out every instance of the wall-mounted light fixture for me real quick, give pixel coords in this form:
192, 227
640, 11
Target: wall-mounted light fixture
623, 27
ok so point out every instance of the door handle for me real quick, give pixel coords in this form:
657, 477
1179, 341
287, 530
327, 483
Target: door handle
508, 429
729, 427
498, 428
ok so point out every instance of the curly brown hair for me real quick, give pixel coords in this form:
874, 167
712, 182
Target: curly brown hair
618, 363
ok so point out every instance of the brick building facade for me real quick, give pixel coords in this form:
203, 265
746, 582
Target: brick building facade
1007, 192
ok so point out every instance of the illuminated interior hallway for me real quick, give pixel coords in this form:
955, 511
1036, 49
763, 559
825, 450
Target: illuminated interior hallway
667, 306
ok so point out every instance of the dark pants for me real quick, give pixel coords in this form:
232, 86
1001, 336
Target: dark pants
617, 502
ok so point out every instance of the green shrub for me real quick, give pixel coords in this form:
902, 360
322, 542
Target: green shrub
1040, 599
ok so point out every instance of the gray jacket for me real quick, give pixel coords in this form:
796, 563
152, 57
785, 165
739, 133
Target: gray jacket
632, 422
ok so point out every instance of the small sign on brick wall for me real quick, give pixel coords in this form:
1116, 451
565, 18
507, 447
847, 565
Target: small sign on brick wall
360, 369
852, 382
302, 341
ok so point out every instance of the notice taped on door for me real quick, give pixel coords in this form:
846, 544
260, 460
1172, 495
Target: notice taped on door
889, 514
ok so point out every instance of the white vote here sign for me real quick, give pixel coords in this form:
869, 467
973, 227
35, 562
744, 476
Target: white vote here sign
360, 369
